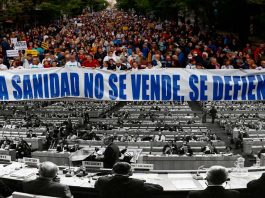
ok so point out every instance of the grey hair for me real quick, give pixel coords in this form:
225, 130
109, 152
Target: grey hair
48, 169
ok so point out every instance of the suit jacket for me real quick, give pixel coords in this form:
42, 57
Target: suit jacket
46, 187
255, 188
111, 155
4, 190
214, 192
124, 187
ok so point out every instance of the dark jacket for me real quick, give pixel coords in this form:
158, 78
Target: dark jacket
255, 188
4, 190
111, 155
46, 187
214, 192
124, 187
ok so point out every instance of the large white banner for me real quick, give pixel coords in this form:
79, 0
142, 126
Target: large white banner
143, 85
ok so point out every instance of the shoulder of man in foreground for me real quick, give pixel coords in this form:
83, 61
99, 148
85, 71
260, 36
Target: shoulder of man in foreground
201, 194
148, 187
55, 187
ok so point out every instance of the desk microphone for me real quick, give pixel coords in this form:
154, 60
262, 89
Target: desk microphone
198, 176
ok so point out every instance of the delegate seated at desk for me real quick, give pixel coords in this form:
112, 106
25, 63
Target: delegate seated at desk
22, 149
160, 137
7, 144
209, 148
185, 150
256, 188
216, 177
120, 185
47, 184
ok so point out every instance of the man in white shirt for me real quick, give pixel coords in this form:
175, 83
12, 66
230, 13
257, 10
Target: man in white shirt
72, 63
192, 64
2, 66
160, 137
111, 55
35, 64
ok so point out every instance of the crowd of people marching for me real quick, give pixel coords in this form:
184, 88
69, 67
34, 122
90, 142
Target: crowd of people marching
114, 40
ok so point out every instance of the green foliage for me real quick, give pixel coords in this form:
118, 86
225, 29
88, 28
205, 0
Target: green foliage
54, 8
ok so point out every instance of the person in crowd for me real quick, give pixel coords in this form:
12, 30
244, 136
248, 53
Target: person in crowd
47, 184
89, 62
5, 143
35, 64
3, 67
111, 154
185, 149
121, 185
71, 136
160, 137
72, 63
22, 149
209, 148
170, 149
30, 134
126, 137
213, 113
136, 138
216, 177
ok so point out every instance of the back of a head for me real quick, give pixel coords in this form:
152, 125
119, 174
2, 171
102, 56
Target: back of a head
122, 168
48, 169
217, 175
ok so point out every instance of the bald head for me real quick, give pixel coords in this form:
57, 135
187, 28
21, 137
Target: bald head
217, 175
48, 170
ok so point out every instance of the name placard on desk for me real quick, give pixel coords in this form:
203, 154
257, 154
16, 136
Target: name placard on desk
92, 164
32, 162
143, 166
5, 158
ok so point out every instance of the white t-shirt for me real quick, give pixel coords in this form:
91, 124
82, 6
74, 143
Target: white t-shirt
3, 67
71, 64
190, 66
39, 66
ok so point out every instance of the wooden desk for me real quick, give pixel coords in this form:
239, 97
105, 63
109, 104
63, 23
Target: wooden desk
175, 183
57, 158
175, 162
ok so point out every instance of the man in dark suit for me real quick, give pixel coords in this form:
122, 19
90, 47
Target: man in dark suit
111, 154
255, 188
120, 185
216, 176
46, 183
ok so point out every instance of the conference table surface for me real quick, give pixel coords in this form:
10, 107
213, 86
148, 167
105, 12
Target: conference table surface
170, 180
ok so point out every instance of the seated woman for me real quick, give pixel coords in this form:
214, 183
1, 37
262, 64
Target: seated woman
170, 149
209, 149
185, 150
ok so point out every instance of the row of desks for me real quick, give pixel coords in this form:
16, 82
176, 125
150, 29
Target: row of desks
174, 182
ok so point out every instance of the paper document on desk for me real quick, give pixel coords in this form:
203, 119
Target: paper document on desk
144, 176
184, 184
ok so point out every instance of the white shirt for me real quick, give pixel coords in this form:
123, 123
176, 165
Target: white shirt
190, 66
3, 67
227, 67
71, 64
39, 66
162, 138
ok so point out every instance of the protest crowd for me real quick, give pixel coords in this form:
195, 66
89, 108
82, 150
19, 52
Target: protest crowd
115, 40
